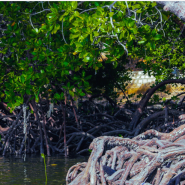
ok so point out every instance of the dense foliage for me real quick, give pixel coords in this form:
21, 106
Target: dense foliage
54, 47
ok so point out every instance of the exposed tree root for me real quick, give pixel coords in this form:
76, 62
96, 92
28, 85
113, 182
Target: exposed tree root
46, 134
151, 157
82, 125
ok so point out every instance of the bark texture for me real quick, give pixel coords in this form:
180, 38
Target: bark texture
151, 158
175, 7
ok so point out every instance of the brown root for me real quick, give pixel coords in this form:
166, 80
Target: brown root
115, 160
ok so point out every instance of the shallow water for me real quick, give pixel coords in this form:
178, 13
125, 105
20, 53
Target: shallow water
20, 170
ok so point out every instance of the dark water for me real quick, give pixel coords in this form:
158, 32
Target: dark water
18, 170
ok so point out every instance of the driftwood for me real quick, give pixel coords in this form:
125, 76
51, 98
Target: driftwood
149, 158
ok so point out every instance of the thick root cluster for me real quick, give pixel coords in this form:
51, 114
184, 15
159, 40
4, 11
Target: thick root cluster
149, 158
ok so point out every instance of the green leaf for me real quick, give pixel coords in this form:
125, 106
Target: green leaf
22, 79
134, 30
74, 4
77, 69
111, 14
42, 71
14, 27
91, 37
86, 83
152, 45
68, 84
164, 16
83, 73
54, 10
141, 42
71, 93
28, 92
2, 95
42, 155
72, 36
62, 16
153, 32
71, 18
131, 23
51, 28
122, 34
37, 99
9, 28
65, 63
66, 72
139, 11
62, 95
33, 53
57, 96
136, 6
56, 28
157, 37
82, 94
36, 30
96, 33
88, 77
96, 3
9, 104
154, 4
40, 42
86, 59
35, 58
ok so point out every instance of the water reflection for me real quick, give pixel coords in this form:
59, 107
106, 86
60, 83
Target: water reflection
21, 170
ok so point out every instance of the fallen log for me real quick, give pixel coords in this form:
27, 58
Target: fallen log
149, 158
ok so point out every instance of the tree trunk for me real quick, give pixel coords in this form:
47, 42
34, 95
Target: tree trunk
139, 111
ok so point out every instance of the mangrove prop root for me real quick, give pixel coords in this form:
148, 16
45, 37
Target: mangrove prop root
151, 158
46, 134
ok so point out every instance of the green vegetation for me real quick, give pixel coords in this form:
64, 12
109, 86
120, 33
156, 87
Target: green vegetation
43, 156
54, 51
59, 54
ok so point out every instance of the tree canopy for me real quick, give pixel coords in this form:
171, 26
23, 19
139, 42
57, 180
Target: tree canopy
55, 47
